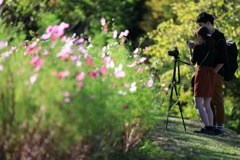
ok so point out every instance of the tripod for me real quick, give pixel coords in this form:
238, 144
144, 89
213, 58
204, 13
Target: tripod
172, 87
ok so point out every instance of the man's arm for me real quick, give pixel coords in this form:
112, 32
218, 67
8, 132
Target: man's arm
222, 55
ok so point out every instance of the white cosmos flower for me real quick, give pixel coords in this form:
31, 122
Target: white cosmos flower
133, 87
119, 73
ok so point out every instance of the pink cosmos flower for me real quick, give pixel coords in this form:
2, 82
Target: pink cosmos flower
93, 74
126, 85
33, 44
109, 62
3, 44
86, 55
80, 84
37, 49
89, 61
65, 39
80, 76
45, 53
36, 62
82, 50
13, 48
139, 69
74, 58
142, 59
63, 74
63, 25
38, 65
55, 31
30, 48
165, 89
6, 54
119, 73
135, 51
66, 94
122, 41
67, 100
46, 36
1, 2
80, 41
65, 57
103, 70
105, 28
103, 21
49, 29
150, 83
125, 33
106, 59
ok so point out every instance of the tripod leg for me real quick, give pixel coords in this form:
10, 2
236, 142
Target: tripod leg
170, 102
180, 108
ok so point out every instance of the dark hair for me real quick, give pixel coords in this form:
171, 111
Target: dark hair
205, 34
204, 17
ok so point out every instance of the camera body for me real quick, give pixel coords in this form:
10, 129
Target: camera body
192, 45
174, 53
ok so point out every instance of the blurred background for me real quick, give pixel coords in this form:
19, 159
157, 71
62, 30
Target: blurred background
154, 26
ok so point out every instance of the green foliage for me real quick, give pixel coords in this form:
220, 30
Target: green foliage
175, 32
157, 11
34, 15
68, 94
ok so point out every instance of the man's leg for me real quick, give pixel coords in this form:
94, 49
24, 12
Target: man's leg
217, 102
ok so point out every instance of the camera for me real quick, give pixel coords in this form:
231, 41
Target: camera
192, 45
174, 53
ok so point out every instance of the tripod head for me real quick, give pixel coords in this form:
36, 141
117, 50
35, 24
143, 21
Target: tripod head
174, 53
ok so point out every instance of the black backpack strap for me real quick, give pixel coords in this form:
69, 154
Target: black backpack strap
220, 40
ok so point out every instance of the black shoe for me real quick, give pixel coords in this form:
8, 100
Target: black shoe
206, 130
218, 131
202, 130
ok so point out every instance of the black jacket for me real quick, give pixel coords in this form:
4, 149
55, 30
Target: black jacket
221, 56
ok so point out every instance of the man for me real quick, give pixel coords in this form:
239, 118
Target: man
217, 103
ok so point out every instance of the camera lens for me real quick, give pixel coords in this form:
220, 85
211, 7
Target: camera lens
174, 53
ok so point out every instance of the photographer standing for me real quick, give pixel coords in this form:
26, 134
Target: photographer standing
217, 103
204, 54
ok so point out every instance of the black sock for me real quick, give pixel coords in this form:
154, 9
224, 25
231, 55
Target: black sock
220, 127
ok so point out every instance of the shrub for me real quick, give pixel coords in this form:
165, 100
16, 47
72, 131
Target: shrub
73, 97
